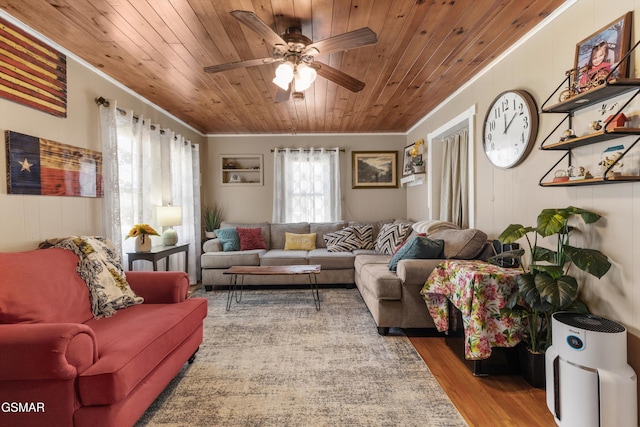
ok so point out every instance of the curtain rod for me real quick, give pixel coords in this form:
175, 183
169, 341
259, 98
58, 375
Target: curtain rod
101, 101
306, 150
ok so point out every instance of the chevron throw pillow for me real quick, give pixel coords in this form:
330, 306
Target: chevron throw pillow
350, 238
391, 236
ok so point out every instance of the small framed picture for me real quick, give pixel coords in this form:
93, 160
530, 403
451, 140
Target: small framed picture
599, 57
375, 169
235, 178
407, 160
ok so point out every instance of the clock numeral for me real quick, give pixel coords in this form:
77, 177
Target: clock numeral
525, 122
522, 138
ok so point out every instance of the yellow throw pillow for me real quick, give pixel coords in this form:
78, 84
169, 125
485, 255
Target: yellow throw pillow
299, 242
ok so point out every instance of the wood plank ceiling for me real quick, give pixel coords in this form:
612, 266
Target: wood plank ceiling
426, 49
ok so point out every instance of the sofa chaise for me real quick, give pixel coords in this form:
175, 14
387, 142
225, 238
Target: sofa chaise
62, 366
392, 296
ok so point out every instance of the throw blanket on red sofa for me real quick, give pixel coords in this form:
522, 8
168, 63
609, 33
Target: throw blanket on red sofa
100, 266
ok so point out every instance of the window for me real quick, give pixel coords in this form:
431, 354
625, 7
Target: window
306, 185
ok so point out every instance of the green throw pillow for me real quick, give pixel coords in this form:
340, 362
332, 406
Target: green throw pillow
418, 248
229, 239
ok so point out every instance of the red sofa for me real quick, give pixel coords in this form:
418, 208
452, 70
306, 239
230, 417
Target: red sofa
59, 366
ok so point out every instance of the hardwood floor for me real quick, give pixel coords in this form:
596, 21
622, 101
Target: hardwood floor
501, 400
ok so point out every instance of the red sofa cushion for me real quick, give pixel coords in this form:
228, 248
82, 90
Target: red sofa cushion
42, 286
132, 342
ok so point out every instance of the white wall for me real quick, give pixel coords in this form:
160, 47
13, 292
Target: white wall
27, 220
514, 196
255, 203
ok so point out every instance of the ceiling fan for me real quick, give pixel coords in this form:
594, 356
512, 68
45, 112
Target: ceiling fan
295, 53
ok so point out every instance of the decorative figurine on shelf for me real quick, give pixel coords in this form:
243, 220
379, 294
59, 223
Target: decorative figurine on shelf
235, 178
567, 134
617, 121
229, 165
577, 173
561, 175
595, 125
609, 161
572, 90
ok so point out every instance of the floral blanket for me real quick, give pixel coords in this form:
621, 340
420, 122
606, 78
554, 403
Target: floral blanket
480, 291
100, 266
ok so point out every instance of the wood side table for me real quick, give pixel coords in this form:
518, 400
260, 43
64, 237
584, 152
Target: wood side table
159, 252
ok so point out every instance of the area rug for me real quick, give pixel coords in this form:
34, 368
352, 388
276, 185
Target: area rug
273, 360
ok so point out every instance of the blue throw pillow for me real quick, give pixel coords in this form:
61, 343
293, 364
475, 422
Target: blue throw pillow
418, 248
229, 239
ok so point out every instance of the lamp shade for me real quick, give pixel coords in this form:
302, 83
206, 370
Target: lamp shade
304, 77
169, 215
284, 75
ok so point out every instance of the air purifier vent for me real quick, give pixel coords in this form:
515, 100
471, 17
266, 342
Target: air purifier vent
589, 322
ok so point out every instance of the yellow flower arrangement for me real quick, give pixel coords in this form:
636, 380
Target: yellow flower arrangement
416, 148
140, 230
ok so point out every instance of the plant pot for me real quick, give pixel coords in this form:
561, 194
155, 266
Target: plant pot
143, 243
532, 366
418, 169
210, 234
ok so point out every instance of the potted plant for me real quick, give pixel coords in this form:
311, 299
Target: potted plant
211, 219
546, 286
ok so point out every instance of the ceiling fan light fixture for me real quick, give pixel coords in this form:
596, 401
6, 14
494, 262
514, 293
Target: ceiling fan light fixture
284, 75
304, 77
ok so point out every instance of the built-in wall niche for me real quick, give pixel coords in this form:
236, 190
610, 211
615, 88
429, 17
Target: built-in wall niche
241, 169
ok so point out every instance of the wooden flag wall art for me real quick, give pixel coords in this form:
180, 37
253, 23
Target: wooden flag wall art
48, 168
32, 73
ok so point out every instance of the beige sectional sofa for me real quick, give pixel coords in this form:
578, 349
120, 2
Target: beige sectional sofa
392, 297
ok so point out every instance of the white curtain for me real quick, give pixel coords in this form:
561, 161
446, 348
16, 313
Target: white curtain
454, 199
144, 167
306, 185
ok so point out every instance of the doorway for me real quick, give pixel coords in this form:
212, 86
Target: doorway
435, 164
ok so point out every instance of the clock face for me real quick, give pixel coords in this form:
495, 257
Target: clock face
510, 128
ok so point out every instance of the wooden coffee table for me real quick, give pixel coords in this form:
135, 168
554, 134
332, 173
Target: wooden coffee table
311, 271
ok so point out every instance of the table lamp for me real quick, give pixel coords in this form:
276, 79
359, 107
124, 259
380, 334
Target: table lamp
168, 216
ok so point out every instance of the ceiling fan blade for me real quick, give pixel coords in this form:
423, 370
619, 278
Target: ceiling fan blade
252, 21
282, 95
351, 40
238, 64
338, 77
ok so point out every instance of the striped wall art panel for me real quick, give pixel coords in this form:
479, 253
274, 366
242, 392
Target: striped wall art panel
32, 73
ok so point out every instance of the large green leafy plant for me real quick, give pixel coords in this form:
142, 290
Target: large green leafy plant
546, 286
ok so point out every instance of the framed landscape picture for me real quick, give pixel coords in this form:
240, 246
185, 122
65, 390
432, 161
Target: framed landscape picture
600, 57
375, 169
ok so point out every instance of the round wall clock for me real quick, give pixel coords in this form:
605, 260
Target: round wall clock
510, 128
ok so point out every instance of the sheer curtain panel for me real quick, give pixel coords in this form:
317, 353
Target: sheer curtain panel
306, 185
143, 168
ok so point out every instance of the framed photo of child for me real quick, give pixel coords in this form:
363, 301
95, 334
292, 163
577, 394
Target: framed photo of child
601, 56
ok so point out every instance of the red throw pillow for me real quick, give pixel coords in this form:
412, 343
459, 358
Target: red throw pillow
250, 238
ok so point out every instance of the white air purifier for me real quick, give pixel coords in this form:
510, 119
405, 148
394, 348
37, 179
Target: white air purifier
589, 382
